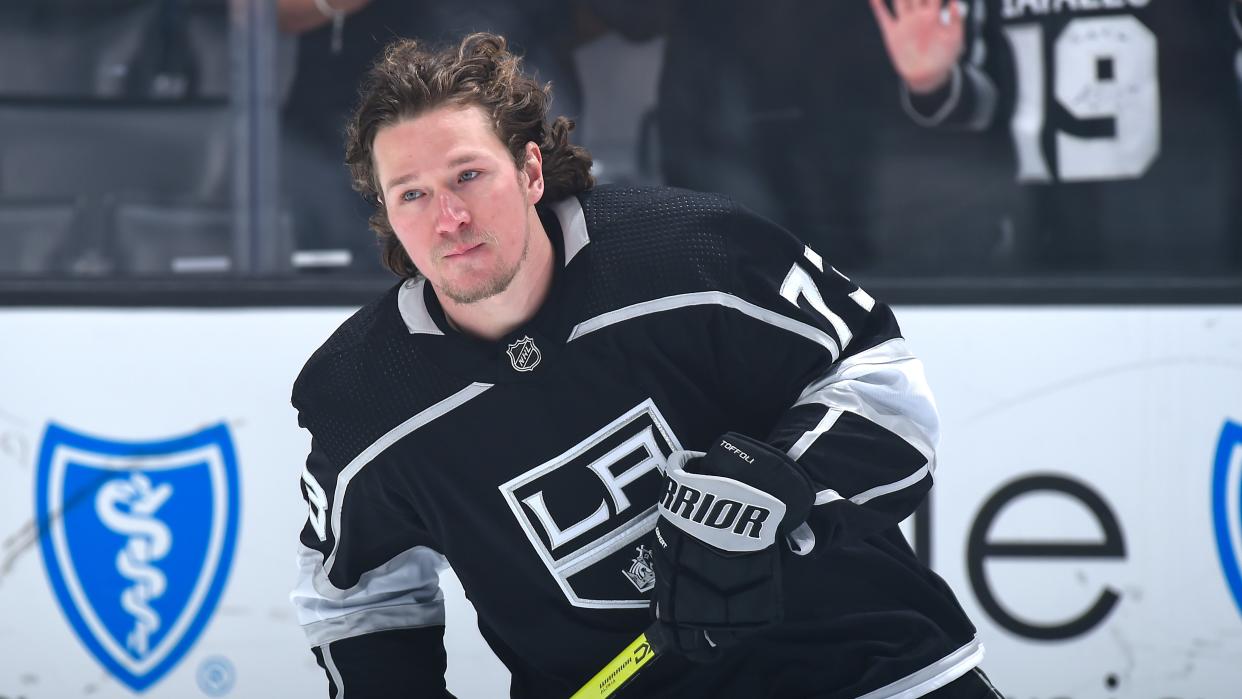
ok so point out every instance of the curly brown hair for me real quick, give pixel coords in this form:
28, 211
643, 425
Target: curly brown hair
410, 79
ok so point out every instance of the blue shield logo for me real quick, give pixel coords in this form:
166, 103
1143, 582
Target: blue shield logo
1227, 506
137, 541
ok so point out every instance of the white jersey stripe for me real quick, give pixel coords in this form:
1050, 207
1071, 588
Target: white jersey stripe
879, 490
863, 299
934, 676
826, 496
885, 385
705, 298
347, 474
806, 440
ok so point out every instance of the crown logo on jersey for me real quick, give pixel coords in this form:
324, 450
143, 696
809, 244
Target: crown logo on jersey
523, 354
641, 572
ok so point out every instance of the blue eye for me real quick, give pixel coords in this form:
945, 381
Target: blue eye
468, 175
411, 195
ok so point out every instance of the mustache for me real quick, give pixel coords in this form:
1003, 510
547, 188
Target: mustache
468, 236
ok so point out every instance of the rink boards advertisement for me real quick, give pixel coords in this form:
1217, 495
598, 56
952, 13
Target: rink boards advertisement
1087, 508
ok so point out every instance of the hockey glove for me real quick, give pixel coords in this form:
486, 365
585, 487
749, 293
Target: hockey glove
717, 555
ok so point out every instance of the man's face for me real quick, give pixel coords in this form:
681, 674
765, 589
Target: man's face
460, 207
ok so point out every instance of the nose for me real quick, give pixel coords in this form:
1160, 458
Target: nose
453, 213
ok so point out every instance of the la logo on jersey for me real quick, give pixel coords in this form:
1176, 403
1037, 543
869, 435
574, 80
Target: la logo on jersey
1227, 506
585, 510
137, 541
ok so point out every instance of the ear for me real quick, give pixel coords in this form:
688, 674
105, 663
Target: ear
532, 168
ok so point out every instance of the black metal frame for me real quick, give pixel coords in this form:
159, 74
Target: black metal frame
310, 291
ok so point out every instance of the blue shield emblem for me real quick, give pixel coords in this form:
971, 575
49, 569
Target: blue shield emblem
137, 541
1227, 506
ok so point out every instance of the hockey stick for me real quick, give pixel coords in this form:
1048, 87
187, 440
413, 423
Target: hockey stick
620, 670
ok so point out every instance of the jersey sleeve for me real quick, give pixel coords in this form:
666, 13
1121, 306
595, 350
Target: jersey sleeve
968, 99
368, 594
824, 364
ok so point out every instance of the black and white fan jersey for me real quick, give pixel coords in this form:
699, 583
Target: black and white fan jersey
1124, 118
532, 465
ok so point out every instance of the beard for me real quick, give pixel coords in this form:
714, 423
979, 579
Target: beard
497, 282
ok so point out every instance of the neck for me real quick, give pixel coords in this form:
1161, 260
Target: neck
495, 317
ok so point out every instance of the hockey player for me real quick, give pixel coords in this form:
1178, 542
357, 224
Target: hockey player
603, 406
1123, 114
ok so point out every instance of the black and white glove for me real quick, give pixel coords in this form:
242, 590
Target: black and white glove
717, 555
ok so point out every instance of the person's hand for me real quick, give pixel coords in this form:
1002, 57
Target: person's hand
298, 16
923, 40
717, 554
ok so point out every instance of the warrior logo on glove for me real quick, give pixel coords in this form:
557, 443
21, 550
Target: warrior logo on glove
713, 510
724, 512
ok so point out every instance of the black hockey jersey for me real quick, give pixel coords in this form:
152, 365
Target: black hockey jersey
532, 464
1124, 121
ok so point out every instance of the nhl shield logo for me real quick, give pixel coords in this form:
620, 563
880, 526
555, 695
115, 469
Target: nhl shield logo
137, 541
1227, 506
523, 354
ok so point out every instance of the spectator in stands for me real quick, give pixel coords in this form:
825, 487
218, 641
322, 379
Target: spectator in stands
728, 97
1124, 118
741, 83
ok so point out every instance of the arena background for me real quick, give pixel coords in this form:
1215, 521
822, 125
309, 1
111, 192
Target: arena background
161, 284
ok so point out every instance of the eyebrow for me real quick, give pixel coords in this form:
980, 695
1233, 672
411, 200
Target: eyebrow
455, 162
465, 158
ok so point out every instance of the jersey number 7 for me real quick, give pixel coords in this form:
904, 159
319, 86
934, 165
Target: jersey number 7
799, 284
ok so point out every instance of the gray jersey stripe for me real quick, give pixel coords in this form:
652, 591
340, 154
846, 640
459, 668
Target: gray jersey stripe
347, 474
573, 226
414, 310
402, 593
708, 298
330, 664
375, 620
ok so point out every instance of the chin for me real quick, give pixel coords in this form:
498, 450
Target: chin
465, 294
